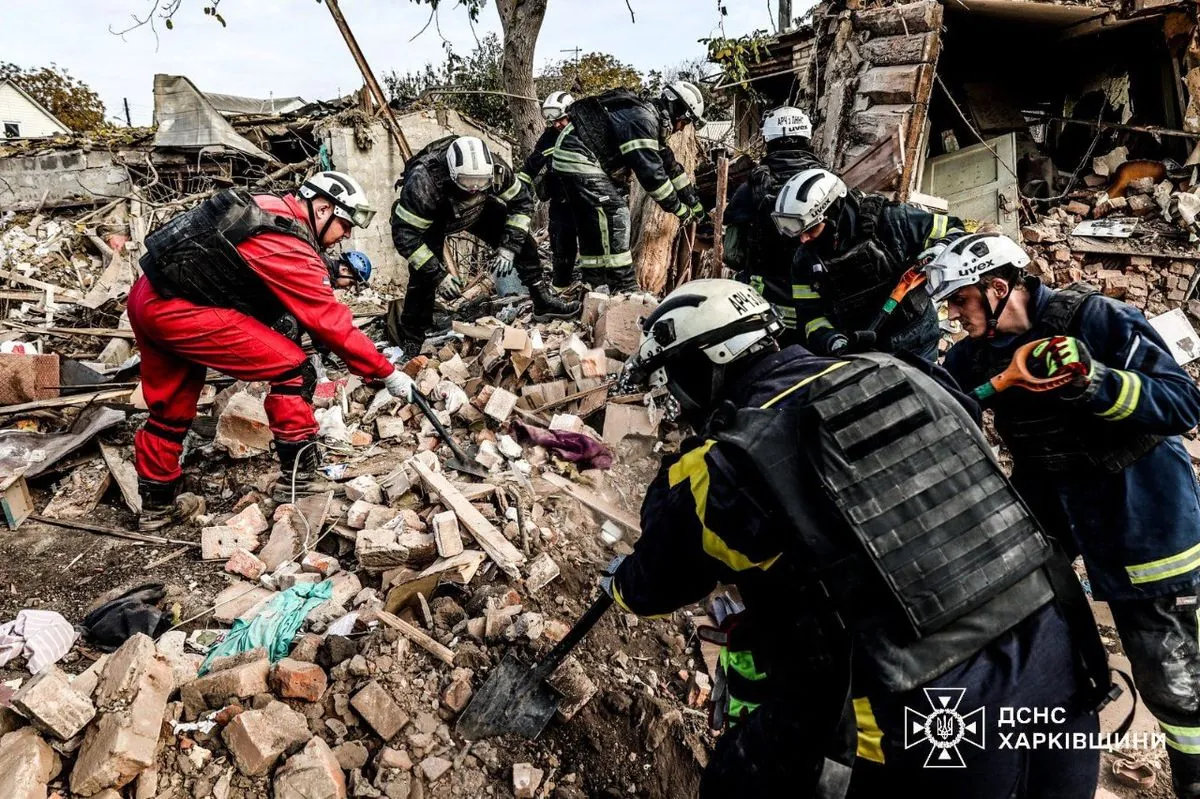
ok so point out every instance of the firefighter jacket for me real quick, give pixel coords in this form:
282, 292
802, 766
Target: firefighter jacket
754, 248
431, 207
1123, 493
618, 133
840, 281
539, 161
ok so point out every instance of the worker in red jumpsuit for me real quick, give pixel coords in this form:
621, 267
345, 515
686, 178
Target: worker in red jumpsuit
216, 278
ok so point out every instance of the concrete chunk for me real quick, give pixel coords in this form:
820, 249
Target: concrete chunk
445, 532
364, 487
222, 542
242, 429
53, 706
212, 690
500, 405
313, 773
285, 537
27, 763
257, 738
380, 710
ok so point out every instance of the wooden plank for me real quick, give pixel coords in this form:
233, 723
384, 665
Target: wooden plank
880, 168
28, 281
873, 125
885, 51
62, 402
98, 530
120, 464
891, 85
490, 539
106, 332
442, 653
15, 501
594, 501
900, 20
80, 492
916, 137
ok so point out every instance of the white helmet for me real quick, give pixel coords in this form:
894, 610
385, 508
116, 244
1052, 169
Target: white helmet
556, 105
702, 323
471, 165
786, 121
963, 261
346, 194
804, 201
684, 101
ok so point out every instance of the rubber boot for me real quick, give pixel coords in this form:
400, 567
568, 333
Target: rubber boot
161, 507
299, 471
546, 306
621, 279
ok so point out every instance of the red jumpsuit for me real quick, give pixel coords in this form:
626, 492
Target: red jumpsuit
180, 340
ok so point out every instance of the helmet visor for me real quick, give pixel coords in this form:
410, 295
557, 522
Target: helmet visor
473, 183
793, 226
552, 114
359, 216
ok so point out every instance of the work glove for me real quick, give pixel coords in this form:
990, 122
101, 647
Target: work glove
449, 288
686, 217
928, 255
698, 212
502, 265
400, 385
610, 571
1059, 353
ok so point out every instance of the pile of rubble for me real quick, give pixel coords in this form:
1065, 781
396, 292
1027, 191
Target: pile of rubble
1130, 228
363, 620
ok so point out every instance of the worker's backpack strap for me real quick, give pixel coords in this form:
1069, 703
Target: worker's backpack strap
870, 211
1059, 316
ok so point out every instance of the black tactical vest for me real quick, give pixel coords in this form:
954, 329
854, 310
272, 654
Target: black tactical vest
194, 255
857, 282
924, 549
1053, 437
589, 116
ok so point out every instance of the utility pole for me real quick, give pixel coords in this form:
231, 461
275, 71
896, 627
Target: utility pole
785, 15
369, 78
128, 119
576, 51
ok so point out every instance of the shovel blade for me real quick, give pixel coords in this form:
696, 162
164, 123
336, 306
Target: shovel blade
513, 700
473, 469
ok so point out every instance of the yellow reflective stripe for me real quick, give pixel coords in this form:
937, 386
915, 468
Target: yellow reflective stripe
519, 221
1165, 568
639, 144
523, 176
573, 168
681, 181
418, 258
816, 325
663, 192
757, 283
602, 261
1127, 397
694, 469
1185, 739
938, 231
419, 222
804, 383
602, 219
512, 191
801, 291
549, 151
870, 737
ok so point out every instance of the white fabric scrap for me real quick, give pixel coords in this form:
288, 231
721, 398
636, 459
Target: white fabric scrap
42, 636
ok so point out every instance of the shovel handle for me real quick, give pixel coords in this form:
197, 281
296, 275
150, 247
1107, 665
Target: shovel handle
419, 400
582, 627
910, 280
1017, 374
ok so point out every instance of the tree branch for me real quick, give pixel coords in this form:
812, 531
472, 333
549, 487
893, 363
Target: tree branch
632, 18
425, 27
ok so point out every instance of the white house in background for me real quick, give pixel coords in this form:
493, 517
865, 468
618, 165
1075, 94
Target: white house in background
22, 117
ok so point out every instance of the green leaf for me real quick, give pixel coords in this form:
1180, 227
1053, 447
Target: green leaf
220, 19
170, 25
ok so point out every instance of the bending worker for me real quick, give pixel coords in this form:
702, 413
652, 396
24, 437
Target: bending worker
539, 176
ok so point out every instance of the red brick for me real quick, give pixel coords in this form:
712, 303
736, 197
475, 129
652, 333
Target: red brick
295, 679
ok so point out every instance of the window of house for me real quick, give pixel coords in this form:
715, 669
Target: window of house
12, 130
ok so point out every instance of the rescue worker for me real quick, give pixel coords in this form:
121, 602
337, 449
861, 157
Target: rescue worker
853, 249
542, 181
754, 248
854, 611
1100, 460
215, 278
607, 138
457, 184
349, 269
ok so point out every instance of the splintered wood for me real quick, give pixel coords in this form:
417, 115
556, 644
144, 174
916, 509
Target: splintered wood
490, 539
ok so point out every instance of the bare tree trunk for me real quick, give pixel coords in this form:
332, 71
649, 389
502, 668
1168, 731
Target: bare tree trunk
652, 229
521, 21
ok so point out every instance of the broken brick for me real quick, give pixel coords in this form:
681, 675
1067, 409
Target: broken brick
526, 780
53, 706
242, 428
500, 405
446, 534
27, 763
257, 738
239, 682
222, 542
295, 679
365, 488
380, 710
244, 563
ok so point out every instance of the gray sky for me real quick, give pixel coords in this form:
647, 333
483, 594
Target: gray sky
291, 47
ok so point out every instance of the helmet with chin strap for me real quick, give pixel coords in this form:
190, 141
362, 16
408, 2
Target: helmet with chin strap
963, 262
344, 193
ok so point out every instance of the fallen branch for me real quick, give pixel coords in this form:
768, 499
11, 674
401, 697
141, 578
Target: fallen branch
62, 402
572, 397
98, 530
442, 653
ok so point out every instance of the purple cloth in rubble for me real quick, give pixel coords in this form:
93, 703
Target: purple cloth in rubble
582, 450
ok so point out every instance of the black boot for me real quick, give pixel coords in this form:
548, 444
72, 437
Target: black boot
620, 279
160, 506
546, 306
299, 471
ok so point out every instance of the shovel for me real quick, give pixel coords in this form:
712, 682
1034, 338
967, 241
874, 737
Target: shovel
1017, 374
460, 461
515, 697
